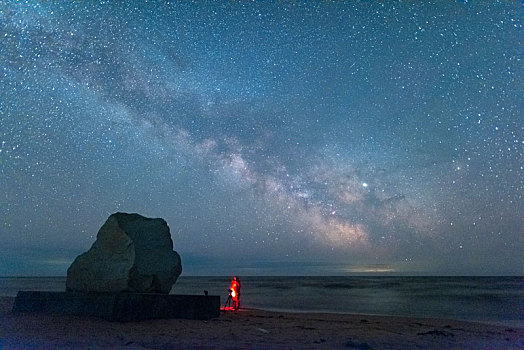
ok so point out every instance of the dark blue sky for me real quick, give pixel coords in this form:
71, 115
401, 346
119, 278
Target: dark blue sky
274, 138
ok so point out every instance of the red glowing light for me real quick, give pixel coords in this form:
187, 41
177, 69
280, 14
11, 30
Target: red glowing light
233, 301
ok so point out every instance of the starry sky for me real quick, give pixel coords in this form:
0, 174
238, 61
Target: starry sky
351, 137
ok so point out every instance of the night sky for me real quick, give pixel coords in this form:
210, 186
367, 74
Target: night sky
274, 138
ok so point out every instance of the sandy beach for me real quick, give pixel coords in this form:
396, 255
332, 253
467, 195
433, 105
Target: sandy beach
252, 329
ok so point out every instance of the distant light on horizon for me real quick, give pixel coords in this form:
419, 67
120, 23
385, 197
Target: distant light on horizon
369, 269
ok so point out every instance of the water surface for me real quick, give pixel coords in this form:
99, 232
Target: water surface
485, 299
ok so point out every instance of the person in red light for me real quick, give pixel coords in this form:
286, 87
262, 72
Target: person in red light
235, 292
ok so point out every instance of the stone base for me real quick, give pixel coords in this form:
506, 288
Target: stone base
121, 307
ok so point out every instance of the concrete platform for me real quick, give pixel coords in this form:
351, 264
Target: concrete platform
120, 307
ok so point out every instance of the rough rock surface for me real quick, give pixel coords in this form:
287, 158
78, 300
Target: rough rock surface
131, 253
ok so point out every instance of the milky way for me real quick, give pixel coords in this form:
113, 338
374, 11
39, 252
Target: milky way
300, 138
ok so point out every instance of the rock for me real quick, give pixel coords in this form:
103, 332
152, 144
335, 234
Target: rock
131, 253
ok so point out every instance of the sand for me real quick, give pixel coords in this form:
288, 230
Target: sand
252, 329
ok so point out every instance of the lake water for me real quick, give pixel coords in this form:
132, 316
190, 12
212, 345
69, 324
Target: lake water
485, 299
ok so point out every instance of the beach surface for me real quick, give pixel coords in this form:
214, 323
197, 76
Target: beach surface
251, 329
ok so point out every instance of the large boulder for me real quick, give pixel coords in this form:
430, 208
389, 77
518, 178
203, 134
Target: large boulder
131, 253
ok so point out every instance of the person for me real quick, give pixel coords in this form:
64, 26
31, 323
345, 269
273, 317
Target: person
235, 292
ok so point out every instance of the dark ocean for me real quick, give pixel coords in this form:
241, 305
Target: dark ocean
486, 299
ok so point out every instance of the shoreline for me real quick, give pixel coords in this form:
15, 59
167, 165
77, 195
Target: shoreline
510, 324
252, 329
